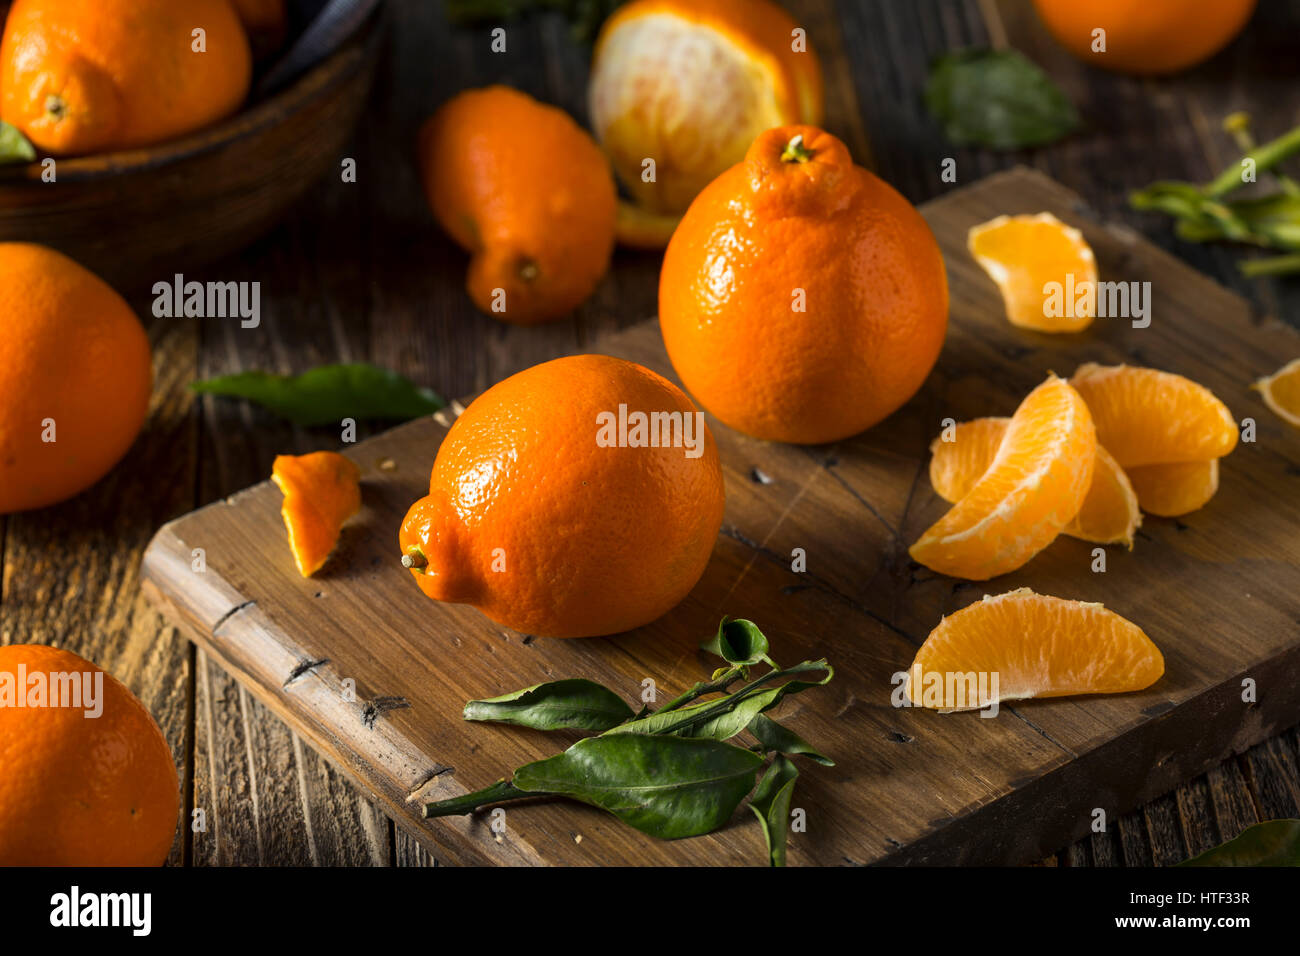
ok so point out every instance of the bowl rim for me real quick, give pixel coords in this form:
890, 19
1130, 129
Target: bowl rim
325, 75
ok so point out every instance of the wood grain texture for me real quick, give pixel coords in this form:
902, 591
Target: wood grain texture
1213, 590
361, 272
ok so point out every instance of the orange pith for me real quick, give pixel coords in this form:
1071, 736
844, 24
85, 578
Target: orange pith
1281, 392
544, 526
1031, 491
1109, 513
1037, 646
801, 298
690, 84
1148, 417
75, 789
1022, 254
528, 193
321, 491
85, 76
1177, 489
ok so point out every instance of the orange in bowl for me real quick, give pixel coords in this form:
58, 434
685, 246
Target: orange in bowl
87, 76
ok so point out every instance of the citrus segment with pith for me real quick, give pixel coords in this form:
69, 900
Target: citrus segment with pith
1109, 513
1148, 417
1033, 488
1176, 489
1023, 254
1281, 392
1035, 645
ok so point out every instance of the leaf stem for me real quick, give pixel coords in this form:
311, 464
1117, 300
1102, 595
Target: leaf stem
730, 702
1270, 266
499, 792
1265, 157
718, 686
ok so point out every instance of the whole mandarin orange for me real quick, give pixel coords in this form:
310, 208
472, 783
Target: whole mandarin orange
540, 518
802, 299
86, 76
689, 84
1145, 36
75, 377
528, 193
78, 789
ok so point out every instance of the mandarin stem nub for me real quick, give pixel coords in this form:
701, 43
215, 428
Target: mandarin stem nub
795, 151
414, 559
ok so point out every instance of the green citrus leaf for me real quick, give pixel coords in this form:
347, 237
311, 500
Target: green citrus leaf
774, 738
997, 98
738, 642
667, 787
574, 704
771, 804
328, 394
14, 147
1273, 843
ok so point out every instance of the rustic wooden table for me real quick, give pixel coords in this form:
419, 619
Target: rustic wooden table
361, 273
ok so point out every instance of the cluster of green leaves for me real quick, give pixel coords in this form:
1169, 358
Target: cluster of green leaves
585, 15
998, 99
1202, 213
329, 393
669, 772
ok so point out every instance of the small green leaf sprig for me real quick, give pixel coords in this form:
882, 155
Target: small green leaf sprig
669, 772
1203, 213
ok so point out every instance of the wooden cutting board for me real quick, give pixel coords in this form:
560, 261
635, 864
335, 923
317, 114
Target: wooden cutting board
1218, 591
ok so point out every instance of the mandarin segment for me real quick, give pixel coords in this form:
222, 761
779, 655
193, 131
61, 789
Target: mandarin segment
1036, 646
1177, 489
1148, 417
1281, 392
1023, 254
1033, 488
551, 510
1109, 513
321, 491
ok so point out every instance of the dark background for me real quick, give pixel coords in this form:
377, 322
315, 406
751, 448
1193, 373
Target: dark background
361, 273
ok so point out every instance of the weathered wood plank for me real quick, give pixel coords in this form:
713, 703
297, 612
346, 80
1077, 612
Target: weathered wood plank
1057, 757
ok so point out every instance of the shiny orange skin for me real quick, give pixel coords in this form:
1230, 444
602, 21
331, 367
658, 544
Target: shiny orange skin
78, 790
87, 76
644, 103
545, 531
71, 350
1145, 37
868, 268
528, 193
